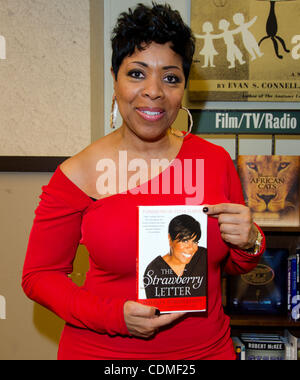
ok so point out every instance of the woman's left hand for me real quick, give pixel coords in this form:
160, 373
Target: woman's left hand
236, 224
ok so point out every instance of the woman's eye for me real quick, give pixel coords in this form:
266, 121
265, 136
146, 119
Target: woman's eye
172, 79
136, 74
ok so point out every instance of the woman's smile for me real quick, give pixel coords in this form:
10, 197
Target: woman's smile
182, 251
151, 114
187, 255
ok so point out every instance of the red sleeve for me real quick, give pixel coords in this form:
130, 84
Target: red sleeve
238, 261
51, 250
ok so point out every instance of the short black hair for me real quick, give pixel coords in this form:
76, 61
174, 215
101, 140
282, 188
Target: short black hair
137, 28
184, 227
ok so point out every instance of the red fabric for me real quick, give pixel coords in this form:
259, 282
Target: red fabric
95, 328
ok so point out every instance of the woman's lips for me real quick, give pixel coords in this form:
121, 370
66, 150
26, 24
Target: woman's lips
187, 255
150, 114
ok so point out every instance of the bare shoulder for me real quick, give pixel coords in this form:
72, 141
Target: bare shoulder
81, 168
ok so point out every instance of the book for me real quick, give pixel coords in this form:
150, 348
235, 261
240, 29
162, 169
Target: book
239, 348
264, 289
293, 345
271, 189
172, 258
294, 285
265, 346
240, 50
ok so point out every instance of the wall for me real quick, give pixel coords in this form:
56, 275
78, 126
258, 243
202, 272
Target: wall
47, 68
51, 100
30, 331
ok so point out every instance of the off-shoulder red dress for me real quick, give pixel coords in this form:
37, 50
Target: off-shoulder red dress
95, 326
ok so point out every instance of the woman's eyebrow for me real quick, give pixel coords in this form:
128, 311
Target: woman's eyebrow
164, 67
141, 63
171, 67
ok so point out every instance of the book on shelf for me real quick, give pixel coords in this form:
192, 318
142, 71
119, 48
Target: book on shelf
239, 348
172, 258
262, 290
264, 347
292, 352
293, 296
271, 189
261, 346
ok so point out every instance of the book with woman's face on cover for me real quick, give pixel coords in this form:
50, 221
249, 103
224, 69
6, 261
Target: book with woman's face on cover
172, 258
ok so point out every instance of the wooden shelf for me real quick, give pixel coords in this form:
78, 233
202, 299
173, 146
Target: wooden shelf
276, 237
281, 229
263, 320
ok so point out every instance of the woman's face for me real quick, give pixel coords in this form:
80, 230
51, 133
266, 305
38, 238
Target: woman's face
149, 90
183, 251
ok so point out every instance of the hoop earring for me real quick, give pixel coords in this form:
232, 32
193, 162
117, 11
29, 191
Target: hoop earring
191, 123
113, 114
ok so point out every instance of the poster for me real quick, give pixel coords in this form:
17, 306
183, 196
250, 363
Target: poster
245, 50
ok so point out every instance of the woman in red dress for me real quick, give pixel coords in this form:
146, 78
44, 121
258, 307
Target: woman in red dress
92, 199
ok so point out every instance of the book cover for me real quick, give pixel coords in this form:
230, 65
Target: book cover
271, 189
245, 51
264, 289
172, 258
263, 347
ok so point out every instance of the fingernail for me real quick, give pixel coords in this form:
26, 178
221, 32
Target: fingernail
157, 312
205, 209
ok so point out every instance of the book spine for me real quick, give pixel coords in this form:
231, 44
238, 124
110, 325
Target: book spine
293, 283
297, 283
289, 302
239, 348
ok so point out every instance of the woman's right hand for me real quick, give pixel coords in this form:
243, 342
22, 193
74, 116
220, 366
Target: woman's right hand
143, 322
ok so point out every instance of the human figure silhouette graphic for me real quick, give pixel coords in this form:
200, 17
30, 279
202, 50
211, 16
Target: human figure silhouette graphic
249, 40
272, 29
208, 50
233, 52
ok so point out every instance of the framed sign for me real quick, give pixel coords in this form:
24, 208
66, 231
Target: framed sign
246, 50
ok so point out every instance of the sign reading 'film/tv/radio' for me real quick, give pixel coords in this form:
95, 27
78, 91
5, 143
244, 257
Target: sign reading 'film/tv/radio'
246, 122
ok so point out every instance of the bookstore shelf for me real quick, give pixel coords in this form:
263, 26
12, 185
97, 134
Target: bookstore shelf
281, 229
263, 321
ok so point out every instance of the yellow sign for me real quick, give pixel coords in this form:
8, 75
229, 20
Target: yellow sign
246, 50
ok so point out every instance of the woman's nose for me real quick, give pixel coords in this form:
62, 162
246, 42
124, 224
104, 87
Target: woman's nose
153, 89
190, 246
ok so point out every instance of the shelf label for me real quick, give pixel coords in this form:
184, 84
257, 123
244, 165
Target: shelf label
246, 122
